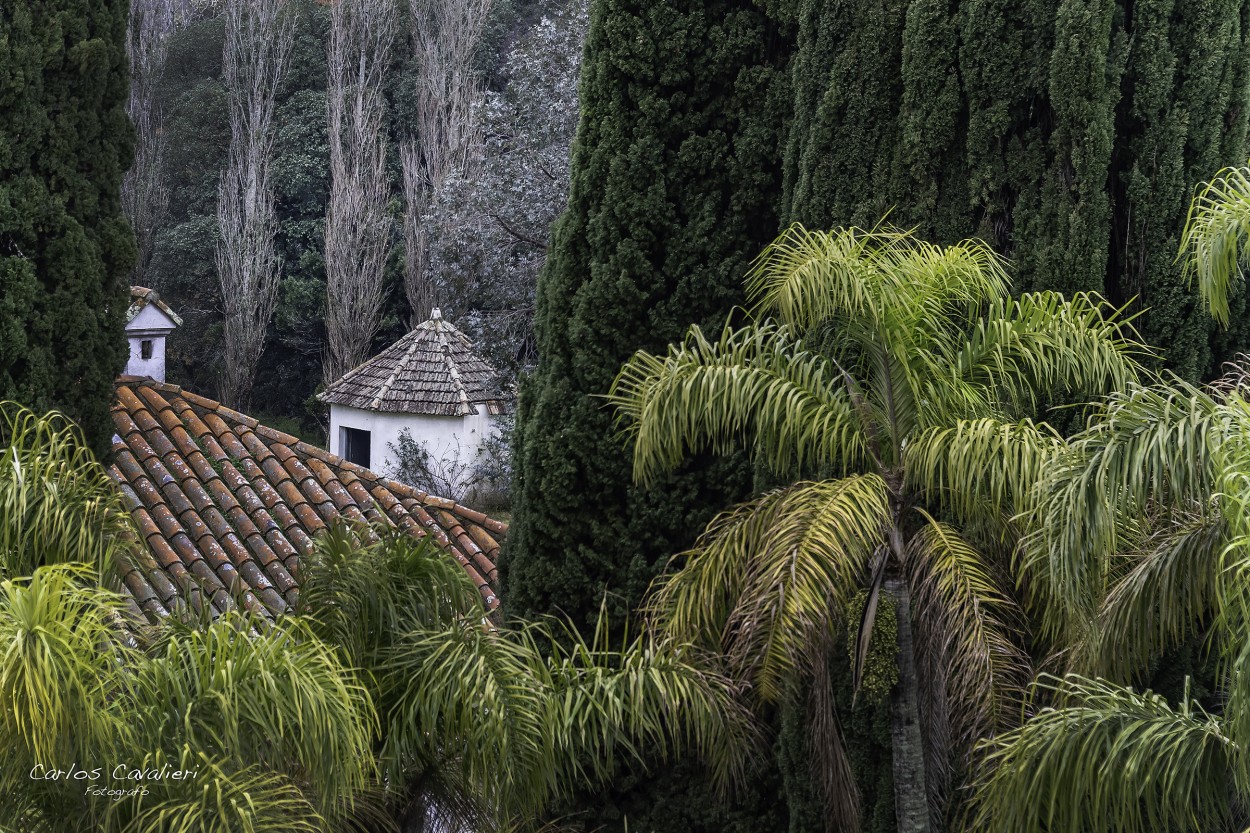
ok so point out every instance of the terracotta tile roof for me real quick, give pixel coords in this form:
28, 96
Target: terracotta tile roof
228, 506
432, 370
141, 296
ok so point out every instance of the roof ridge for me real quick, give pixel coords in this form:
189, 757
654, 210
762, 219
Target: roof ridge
465, 407
399, 365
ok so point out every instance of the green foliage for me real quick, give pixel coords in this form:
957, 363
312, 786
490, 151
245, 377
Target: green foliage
674, 186
881, 666
905, 370
57, 503
65, 247
1108, 758
1068, 134
390, 691
507, 720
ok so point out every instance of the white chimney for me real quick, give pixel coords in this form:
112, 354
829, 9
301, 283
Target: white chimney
148, 321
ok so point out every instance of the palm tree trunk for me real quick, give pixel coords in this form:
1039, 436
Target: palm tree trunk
911, 802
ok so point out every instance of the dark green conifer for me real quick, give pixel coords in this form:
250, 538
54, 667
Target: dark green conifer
65, 247
1069, 133
675, 187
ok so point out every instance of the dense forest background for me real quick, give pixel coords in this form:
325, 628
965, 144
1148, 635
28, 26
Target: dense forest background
487, 226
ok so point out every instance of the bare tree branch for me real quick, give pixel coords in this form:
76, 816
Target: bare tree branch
259, 35
144, 195
524, 238
445, 34
357, 227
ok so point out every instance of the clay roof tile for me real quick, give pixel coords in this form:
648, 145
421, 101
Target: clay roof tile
226, 507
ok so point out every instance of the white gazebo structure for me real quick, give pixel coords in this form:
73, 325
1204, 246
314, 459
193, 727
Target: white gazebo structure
148, 321
429, 382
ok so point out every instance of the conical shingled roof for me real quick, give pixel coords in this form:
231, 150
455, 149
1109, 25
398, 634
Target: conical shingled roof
432, 370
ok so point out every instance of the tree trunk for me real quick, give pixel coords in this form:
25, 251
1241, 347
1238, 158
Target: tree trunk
911, 803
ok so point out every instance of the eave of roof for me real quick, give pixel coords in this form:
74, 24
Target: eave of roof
227, 506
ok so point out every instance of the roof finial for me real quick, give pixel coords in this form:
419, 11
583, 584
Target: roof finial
435, 315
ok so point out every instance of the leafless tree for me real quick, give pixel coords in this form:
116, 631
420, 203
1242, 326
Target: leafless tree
144, 196
445, 35
357, 227
259, 35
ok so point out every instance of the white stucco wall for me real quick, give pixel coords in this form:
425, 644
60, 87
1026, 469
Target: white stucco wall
138, 366
152, 324
441, 434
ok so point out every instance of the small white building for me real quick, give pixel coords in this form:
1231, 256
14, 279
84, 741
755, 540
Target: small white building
148, 321
430, 383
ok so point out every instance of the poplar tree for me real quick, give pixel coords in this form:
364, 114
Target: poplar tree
65, 245
1070, 134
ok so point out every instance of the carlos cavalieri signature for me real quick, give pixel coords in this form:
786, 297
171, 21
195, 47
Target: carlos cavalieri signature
133, 777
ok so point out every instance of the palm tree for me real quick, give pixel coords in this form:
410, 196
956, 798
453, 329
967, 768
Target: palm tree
905, 373
1141, 540
1100, 755
270, 728
391, 701
482, 726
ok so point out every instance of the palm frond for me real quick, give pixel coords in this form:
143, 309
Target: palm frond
968, 623
982, 466
218, 799
1042, 345
806, 278
1147, 445
1162, 598
59, 667
755, 382
651, 699
467, 697
361, 585
57, 504
763, 580
280, 698
1214, 238
1110, 759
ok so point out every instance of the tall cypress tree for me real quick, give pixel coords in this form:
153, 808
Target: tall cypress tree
675, 186
1070, 133
65, 247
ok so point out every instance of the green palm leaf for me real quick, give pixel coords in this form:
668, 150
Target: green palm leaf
1212, 243
1166, 592
756, 382
1148, 445
522, 717
219, 799
59, 655
57, 504
965, 617
1041, 345
764, 579
807, 278
1107, 758
980, 468
278, 697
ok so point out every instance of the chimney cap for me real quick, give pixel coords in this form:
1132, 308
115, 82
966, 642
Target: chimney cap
435, 315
